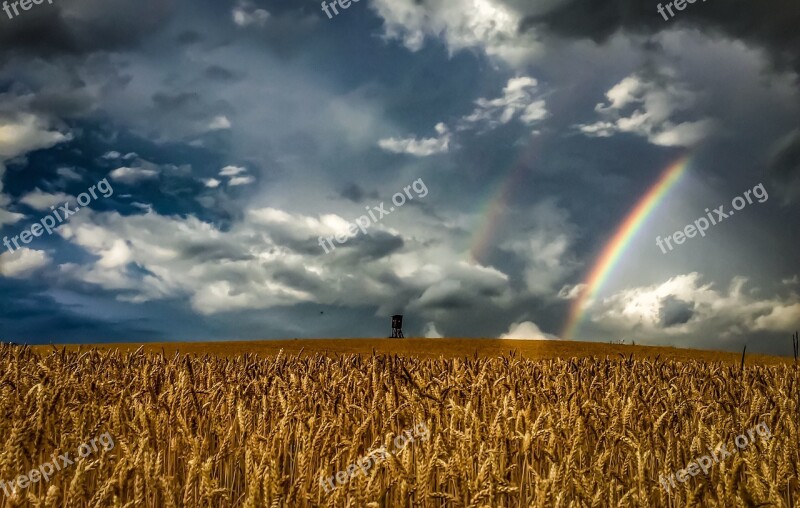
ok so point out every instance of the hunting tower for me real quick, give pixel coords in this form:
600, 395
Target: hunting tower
397, 326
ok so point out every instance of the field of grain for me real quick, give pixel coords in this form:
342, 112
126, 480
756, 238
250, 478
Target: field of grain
246, 430
433, 349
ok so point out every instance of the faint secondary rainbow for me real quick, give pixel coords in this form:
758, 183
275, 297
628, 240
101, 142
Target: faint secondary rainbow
613, 250
493, 211
491, 214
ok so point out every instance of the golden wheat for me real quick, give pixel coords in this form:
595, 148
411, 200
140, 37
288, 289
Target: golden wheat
248, 431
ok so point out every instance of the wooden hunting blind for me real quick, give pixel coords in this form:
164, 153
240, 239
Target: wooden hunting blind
397, 326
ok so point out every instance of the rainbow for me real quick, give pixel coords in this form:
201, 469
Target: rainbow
612, 252
493, 213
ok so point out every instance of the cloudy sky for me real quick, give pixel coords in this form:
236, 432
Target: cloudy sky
231, 136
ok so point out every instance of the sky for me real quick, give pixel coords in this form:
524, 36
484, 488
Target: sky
509, 162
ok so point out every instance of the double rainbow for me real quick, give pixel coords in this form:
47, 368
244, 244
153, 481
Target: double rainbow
615, 248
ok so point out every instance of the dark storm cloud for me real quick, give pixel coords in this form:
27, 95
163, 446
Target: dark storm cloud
176, 102
376, 245
177, 115
675, 312
290, 240
61, 91
40, 32
353, 192
280, 27
361, 248
298, 278
301, 144
203, 251
220, 73
452, 301
356, 193
771, 24
785, 166
189, 37
30, 314
82, 26
286, 33
63, 104
23, 300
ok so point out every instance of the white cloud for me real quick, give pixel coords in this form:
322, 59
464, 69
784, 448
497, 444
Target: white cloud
526, 330
220, 122
421, 147
599, 129
544, 254
112, 155
133, 175
683, 134
444, 292
518, 101
456, 287
534, 112
297, 226
20, 134
241, 180
147, 207
7, 217
568, 292
69, 174
22, 262
727, 313
245, 13
27, 132
219, 271
780, 318
231, 170
645, 108
483, 24
431, 332
211, 183
544, 249
117, 254
40, 200
271, 258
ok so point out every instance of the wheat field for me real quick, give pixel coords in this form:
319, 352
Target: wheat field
505, 431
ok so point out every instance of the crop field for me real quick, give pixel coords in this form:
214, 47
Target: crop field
430, 349
503, 429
